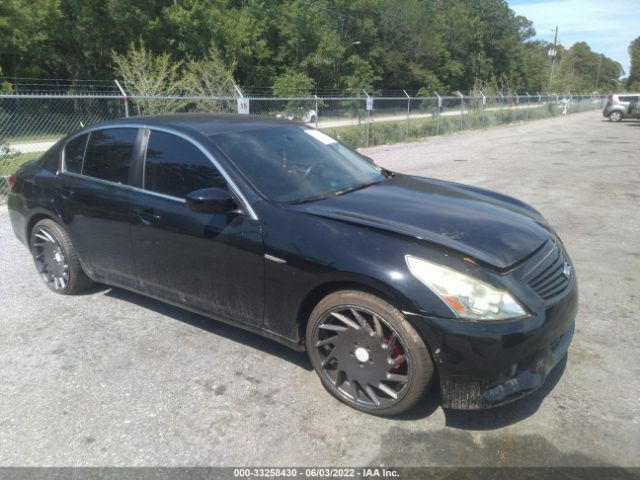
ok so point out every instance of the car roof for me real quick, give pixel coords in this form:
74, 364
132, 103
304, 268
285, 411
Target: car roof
204, 123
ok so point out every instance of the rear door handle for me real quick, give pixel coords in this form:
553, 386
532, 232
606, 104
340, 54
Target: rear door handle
147, 216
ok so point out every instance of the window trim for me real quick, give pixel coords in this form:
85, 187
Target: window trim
146, 131
63, 163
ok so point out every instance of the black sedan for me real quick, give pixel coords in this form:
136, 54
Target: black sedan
390, 282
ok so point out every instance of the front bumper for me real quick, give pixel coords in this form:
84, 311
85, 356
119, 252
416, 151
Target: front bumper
484, 365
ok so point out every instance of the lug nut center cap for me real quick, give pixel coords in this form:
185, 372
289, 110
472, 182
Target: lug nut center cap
361, 354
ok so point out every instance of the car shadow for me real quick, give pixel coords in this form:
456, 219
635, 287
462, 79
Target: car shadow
505, 415
491, 419
218, 328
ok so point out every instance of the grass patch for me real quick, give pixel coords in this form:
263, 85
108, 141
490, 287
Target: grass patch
397, 131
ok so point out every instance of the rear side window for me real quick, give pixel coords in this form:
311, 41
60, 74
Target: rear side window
175, 167
74, 153
109, 154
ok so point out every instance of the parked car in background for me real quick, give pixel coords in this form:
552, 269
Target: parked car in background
305, 116
621, 106
390, 282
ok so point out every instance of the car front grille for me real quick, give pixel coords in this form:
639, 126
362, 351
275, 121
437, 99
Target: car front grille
551, 272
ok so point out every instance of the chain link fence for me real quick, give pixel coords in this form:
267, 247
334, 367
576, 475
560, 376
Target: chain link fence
30, 124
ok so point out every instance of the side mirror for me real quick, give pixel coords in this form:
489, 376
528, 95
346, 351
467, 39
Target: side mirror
211, 200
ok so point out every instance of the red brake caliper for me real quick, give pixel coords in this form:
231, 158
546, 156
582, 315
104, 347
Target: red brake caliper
396, 351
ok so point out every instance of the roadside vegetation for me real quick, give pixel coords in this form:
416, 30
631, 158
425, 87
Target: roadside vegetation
416, 129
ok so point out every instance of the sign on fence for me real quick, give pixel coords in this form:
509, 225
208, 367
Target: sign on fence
243, 106
369, 103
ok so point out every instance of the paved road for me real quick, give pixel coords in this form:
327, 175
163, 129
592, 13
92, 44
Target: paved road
112, 378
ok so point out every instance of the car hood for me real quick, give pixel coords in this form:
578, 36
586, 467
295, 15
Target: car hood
490, 227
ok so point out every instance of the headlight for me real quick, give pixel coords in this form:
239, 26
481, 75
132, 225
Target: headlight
468, 297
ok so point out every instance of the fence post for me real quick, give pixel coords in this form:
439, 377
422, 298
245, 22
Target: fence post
484, 105
408, 112
438, 107
366, 141
459, 94
317, 110
528, 105
125, 98
540, 102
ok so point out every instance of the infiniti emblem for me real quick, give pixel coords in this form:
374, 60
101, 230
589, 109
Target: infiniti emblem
566, 271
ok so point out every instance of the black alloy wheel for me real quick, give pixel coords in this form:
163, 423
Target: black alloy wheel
367, 355
56, 259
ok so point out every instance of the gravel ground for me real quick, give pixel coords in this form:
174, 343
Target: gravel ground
112, 378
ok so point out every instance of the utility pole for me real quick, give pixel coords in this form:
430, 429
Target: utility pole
598, 75
552, 53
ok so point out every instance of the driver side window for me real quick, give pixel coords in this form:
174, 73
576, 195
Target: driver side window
174, 166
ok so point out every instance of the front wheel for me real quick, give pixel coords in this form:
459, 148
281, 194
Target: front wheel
615, 116
367, 354
56, 259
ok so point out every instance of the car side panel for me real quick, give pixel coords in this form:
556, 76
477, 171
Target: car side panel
96, 216
208, 262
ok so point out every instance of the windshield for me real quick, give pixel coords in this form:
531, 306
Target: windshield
294, 164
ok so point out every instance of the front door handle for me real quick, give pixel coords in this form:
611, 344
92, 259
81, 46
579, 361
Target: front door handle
147, 216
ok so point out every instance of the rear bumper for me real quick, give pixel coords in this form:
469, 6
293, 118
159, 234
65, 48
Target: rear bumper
482, 365
17, 217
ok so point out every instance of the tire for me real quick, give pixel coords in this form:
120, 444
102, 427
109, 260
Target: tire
615, 116
56, 259
379, 364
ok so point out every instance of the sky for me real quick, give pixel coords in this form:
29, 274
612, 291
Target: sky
608, 26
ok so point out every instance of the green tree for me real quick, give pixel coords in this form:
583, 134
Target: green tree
633, 82
293, 83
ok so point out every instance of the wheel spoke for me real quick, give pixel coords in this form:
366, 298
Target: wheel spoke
354, 388
42, 236
326, 361
372, 395
382, 387
394, 377
378, 326
335, 328
347, 321
326, 341
361, 320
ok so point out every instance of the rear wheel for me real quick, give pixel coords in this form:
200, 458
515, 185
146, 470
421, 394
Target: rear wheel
615, 116
56, 259
366, 353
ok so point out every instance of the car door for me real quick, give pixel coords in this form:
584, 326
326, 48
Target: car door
212, 263
93, 197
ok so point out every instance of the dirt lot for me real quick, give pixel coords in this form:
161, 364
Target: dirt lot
112, 378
